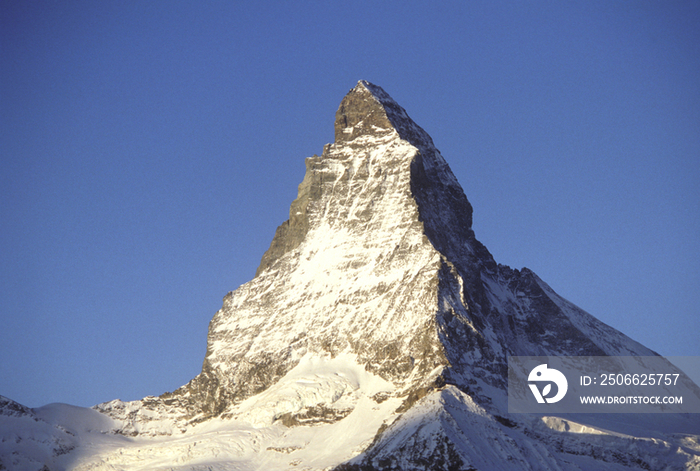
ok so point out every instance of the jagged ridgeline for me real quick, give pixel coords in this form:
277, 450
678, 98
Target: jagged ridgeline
375, 335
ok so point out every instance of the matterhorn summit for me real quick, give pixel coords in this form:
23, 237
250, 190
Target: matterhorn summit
375, 335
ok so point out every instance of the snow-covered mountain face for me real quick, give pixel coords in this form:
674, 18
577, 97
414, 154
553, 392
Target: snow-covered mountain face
375, 335
378, 259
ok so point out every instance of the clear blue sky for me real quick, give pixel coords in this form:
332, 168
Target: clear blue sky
150, 149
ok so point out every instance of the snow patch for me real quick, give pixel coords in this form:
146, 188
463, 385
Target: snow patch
336, 383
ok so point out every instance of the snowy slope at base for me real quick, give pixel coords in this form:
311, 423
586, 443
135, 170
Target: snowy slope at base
65, 437
444, 424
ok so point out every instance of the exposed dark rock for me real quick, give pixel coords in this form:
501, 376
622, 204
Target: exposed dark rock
11, 408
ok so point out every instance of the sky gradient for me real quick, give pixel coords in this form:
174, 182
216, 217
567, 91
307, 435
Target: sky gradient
150, 149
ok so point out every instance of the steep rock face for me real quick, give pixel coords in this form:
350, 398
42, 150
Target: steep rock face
378, 258
352, 269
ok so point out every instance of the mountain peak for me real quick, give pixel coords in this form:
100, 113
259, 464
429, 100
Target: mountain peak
377, 307
367, 110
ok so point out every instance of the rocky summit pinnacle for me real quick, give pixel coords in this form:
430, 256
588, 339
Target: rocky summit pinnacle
375, 335
366, 119
368, 110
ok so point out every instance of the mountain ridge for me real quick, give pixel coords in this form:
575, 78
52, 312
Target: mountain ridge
383, 164
375, 335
